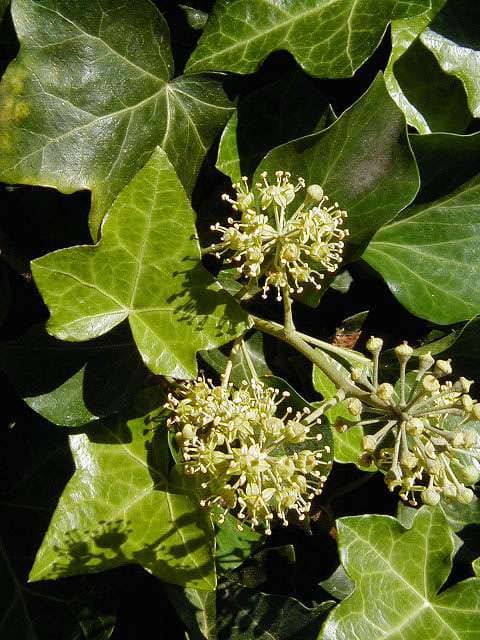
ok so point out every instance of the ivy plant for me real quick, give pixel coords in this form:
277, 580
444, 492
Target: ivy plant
239, 323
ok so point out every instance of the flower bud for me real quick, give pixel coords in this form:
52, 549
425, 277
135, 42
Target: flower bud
425, 361
414, 426
465, 495
357, 374
430, 497
467, 402
476, 411
354, 406
369, 443
463, 385
433, 467
442, 368
403, 352
430, 383
408, 460
315, 192
449, 490
385, 391
469, 475
374, 345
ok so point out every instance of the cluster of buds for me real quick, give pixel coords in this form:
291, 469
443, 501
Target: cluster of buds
424, 435
250, 460
287, 250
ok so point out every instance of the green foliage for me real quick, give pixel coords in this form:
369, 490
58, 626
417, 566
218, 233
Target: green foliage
428, 256
122, 505
362, 160
174, 306
153, 110
80, 128
375, 551
329, 39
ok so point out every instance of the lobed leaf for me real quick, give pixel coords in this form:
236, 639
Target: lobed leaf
174, 306
430, 256
91, 95
331, 38
120, 506
363, 161
408, 568
73, 384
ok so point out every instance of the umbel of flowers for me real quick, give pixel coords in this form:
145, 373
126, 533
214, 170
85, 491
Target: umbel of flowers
423, 436
283, 248
235, 439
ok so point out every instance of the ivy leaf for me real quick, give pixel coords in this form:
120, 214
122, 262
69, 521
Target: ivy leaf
197, 609
417, 83
363, 161
120, 507
247, 614
435, 60
272, 115
429, 257
328, 39
445, 162
234, 546
73, 384
454, 40
409, 567
91, 94
174, 306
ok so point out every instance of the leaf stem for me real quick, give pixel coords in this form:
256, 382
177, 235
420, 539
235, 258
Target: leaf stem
317, 357
346, 354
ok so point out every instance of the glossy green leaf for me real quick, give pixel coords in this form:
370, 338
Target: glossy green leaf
247, 614
91, 95
174, 306
433, 71
363, 161
397, 575
196, 18
331, 38
234, 546
454, 39
120, 507
414, 79
445, 162
338, 585
197, 610
462, 345
430, 257
72, 384
272, 115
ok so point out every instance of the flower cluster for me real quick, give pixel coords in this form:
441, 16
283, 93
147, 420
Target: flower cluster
423, 439
235, 439
287, 249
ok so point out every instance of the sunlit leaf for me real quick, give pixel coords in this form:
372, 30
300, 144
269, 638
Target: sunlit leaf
408, 568
121, 507
331, 38
91, 95
174, 306
430, 256
363, 161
